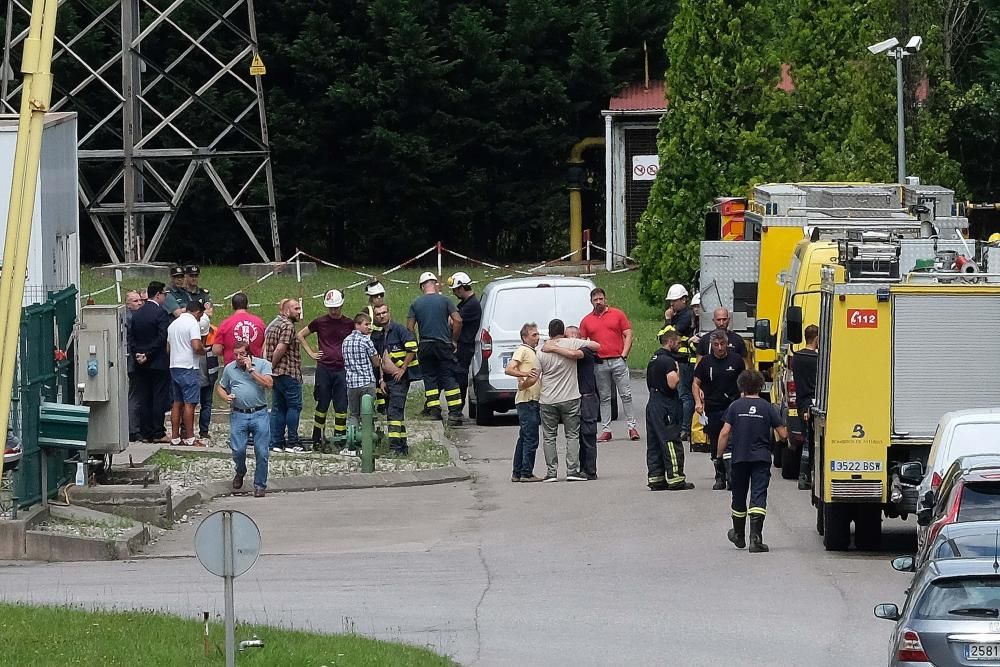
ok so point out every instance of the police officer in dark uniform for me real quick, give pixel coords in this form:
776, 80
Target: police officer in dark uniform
664, 451
746, 435
397, 343
714, 390
472, 314
191, 290
175, 294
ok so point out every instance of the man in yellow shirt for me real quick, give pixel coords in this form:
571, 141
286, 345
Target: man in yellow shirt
523, 365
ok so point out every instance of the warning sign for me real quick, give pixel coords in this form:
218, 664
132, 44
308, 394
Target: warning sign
644, 167
257, 66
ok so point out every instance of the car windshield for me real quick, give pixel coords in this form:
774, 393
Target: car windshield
965, 597
980, 501
981, 438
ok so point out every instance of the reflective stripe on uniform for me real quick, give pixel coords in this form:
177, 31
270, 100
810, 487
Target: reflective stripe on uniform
319, 418
757, 510
655, 479
454, 397
739, 515
340, 422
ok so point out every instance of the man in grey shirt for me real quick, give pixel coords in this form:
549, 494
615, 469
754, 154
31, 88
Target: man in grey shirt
244, 384
560, 399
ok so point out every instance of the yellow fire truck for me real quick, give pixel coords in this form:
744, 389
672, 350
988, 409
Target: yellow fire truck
897, 350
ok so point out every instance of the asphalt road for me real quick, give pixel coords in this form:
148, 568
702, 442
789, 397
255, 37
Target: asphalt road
494, 573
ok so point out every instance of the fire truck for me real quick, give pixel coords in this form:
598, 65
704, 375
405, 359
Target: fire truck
897, 349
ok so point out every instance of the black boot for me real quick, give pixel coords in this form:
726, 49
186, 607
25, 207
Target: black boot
738, 533
804, 482
720, 475
756, 539
727, 466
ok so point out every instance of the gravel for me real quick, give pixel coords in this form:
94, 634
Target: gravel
111, 531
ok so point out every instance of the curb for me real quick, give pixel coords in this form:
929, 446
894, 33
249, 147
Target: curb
203, 493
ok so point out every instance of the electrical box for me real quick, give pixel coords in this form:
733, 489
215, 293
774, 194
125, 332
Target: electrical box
102, 376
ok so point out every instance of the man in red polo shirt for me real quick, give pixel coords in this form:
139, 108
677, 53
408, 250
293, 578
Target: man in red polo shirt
241, 325
610, 327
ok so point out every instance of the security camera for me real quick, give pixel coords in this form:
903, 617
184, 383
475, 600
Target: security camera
884, 46
914, 44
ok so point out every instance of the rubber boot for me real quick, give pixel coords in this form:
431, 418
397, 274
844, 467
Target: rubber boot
756, 539
720, 475
804, 482
738, 533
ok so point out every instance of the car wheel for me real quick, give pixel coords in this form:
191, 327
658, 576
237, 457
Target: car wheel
791, 457
484, 415
836, 526
868, 527
819, 517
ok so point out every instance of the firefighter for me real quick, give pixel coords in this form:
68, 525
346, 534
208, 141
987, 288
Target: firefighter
746, 435
681, 317
699, 440
714, 390
376, 297
472, 314
398, 344
664, 451
440, 326
804, 365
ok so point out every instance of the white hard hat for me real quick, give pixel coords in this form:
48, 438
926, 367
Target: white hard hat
696, 299
676, 291
333, 299
205, 325
425, 276
374, 288
459, 279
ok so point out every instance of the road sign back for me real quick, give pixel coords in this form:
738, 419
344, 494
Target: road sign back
257, 66
209, 543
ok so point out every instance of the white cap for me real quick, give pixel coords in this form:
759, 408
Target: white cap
425, 276
205, 325
696, 299
374, 288
676, 291
459, 279
333, 299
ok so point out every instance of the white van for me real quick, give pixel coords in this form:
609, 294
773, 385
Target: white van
959, 433
507, 305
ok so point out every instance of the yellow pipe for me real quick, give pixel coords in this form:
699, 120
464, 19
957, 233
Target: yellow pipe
575, 198
36, 94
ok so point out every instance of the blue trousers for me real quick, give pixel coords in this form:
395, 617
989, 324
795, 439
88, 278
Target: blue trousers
286, 406
529, 417
240, 427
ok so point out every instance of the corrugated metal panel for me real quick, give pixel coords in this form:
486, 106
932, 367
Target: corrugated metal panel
942, 358
724, 263
637, 97
844, 489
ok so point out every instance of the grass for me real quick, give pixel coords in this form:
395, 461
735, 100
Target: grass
622, 288
60, 636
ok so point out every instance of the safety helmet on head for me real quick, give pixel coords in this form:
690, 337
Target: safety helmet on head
425, 276
676, 291
696, 299
333, 299
374, 288
204, 325
459, 279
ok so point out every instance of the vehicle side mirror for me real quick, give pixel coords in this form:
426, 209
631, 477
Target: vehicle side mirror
903, 564
889, 612
929, 499
762, 334
793, 324
911, 472
924, 516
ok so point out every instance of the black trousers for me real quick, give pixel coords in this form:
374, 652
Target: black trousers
437, 363
664, 451
331, 387
716, 420
134, 408
590, 415
463, 359
396, 413
752, 478
152, 388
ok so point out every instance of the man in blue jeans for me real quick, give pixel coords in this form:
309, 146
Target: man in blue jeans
244, 385
523, 365
281, 348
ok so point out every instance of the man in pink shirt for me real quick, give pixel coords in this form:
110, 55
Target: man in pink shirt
241, 325
611, 328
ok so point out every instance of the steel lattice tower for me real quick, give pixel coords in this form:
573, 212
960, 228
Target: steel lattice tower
163, 93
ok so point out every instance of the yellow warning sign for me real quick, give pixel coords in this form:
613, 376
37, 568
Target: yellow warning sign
257, 66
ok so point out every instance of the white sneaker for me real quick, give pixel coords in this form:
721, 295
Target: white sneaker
175, 442
348, 452
296, 449
550, 478
278, 449
576, 477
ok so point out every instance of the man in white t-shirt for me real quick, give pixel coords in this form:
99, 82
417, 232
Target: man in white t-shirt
184, 343
559, 400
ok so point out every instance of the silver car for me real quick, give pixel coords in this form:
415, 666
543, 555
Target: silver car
951, 616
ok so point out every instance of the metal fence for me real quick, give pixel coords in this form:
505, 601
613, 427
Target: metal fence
41, 376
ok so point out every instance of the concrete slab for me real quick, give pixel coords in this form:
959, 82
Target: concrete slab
140, 274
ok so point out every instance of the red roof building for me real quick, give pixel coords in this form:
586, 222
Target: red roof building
638, 97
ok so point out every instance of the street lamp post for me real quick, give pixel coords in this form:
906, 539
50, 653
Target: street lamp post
892, 48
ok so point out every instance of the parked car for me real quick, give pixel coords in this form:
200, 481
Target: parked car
960, 433
507, 305
951, 616
974, 539
969, 491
